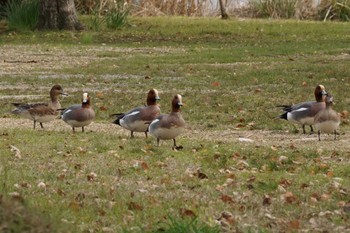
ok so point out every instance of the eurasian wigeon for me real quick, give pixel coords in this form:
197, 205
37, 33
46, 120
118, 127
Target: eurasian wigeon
79, 115
136, 119
169, 126
327, 120
41, 112
304, 113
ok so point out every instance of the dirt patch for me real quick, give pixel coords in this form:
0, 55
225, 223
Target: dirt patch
41, 59
254, 138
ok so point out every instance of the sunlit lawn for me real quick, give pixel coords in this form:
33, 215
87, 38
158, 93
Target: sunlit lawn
231, 74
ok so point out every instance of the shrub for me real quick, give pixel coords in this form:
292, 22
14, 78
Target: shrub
273, 8
21, 15
334, 10
95, 21
116, 17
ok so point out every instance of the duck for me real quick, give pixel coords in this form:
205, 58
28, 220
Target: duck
169, 126
136, 119
41, 112
327, 120
304, 113
79, 115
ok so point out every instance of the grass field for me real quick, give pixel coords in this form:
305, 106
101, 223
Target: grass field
240, 170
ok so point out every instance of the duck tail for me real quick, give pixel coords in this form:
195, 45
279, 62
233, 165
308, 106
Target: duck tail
16, 111
119, 116
283, 116
16, 104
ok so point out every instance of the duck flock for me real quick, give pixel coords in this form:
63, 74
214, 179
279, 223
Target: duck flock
318, 113
141, 119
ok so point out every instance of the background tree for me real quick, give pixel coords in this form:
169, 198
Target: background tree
224, 14
58, 14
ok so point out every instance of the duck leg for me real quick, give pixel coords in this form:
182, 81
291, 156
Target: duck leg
41, 125
177, 147
335, 134
132, 134
82, 129
311, 129
304, 132
158, 141
146, 134
319, 138
34, 123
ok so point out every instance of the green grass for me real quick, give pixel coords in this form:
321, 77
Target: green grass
231, 74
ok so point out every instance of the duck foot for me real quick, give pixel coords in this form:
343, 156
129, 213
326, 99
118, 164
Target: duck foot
177, 147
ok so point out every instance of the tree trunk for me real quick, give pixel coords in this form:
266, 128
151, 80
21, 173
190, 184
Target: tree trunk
58, 14
224, 15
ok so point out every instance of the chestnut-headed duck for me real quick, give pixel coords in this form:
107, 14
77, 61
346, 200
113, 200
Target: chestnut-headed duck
169, 126
136, 119
79, 115
327, 120
41, 112
304, 113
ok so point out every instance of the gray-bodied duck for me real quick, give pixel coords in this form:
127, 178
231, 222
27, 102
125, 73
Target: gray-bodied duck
136, 119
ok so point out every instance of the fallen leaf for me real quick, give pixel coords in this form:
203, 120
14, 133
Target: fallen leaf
187, 213
346, 208
226, 198
61, 192
91, 176
42, 185
325, 197
144, 165
289, 197
344, 114
201, 175
102, 212
134, 206
75, 205
267, 200
283, 159
226, 218
103, 108
330, 174
100, 95
80, 197
215, 84
16, 151
285, 183
294, 224
251, 179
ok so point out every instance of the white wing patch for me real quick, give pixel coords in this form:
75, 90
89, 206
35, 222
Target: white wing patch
300, 109
133, 113
69, 110
154, 121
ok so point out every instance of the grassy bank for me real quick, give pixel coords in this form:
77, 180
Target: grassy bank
231, 74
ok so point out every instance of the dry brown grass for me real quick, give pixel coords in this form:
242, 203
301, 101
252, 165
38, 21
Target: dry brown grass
299, 9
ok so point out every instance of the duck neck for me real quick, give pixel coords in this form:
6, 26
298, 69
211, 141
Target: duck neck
176, 108
86, 104
151, 101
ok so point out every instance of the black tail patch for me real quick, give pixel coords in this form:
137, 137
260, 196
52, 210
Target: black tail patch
119, 116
